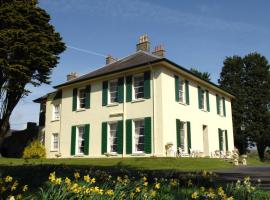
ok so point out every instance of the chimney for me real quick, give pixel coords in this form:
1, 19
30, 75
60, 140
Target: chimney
110, 59
71, 76
144, 44
159, 51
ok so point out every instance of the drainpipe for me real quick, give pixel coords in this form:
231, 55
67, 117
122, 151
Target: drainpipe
124, 117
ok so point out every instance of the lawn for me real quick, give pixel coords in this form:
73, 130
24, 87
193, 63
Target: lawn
183, 164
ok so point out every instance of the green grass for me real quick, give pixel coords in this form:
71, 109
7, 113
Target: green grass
253, 159
183, 164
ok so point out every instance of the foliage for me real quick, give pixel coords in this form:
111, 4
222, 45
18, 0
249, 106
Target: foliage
248, 78
204, 75
29, 49
34, 150
83, 186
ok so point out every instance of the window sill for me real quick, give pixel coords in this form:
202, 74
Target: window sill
54, 150
108, 154
55, 120
221, 115
182, 103
80, 110
204, 110
79, 155
137, 100
113, 104
138, 154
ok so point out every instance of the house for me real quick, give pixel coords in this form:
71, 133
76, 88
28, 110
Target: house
136, 106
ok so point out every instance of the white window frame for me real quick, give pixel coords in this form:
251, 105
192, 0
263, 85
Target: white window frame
56, 115
134, 88
79, 98
110, 138
115, 81
78, 139
135, 135
181, 91
53, 141
221, 110
183, 130
204, 100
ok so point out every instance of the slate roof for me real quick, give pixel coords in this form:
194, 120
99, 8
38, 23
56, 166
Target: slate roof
137, 59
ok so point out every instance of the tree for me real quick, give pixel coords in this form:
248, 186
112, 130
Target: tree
204, 75
248, 78
232, 79
29, 49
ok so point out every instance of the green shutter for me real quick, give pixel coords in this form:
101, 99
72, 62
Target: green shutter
74, 100
147, 135
86, 139
88, 96
120, 137
104, 93
189, 136
220, 138
104, 137
207, 100
218, 104
176, 78
224, 107
187, 91
128, 88
200, 97
128, 136
73, 140
147, 88
178, 138
120, 90
226, 140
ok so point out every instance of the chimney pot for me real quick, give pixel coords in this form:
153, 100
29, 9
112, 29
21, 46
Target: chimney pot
110, 59
71, 76
159, 51
144, 44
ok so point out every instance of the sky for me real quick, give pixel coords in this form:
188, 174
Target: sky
198, 34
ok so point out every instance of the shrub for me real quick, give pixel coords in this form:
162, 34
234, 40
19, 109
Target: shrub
34, 150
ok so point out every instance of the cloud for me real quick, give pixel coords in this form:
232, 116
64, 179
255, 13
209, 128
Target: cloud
146, 11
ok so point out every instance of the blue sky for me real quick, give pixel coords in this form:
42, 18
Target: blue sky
196, 34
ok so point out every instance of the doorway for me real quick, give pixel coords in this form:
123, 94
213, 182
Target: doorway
205, 140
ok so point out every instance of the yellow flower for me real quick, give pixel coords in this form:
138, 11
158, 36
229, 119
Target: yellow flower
11, 198
138, 189
194, 195
230, 198
145, 183
52, 177
25, 188
67, 181
153, 193
87, 178
202, 189
110, 192
14, 186
58, 181
8, 179
19, 196
144, 179
93, 180
77, 175
157, 185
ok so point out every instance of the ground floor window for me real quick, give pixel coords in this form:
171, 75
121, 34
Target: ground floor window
112, 138
80, 140
139, 136
182, 136
55, 142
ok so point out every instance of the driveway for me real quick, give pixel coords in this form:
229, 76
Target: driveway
254, 173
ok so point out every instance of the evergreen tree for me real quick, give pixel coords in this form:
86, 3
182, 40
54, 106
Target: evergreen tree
204, 75
29, 49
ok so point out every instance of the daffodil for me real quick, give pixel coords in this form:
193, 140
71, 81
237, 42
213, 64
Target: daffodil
14, 186
145, 184
138, 189
157, 185
8, 179
93, 180
194, 195
87, 178
25, 188
67, 181
58, 181
52, 177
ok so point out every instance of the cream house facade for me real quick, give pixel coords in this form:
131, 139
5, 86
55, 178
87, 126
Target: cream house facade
136, 106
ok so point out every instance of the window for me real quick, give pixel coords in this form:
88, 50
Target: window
82, 98
139, 136
55, 142
56, 112
113, 93
203, 100
80, 140
182, 135
181, 91
139, 86
112, 139
221, 107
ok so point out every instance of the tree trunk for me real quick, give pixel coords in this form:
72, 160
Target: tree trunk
4, 128
261, 149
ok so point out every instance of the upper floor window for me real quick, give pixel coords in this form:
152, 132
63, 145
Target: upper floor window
82, 98
139, 86
112, 137
203, 99
181, 90
139, 136
55, 142
221, 106
113, 91
56, 112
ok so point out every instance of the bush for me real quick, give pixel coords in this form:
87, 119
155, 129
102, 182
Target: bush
34, 150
